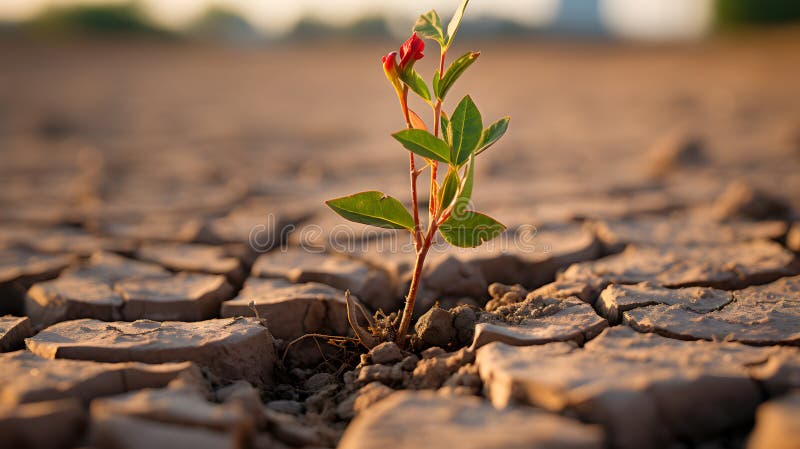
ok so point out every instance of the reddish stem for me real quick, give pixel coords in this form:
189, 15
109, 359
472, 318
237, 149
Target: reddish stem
408, 310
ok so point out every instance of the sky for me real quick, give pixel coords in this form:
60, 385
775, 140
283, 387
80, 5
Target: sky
642, 19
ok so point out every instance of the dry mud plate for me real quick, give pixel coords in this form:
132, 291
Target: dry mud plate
441, 420
13, 332
292, 310
727, 266
234, 348
539, 320
19, 269
684, 231
298, 265
760, 315
646, 390
28, 378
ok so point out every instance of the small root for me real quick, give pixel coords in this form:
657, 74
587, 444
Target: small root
333, 340
364, 336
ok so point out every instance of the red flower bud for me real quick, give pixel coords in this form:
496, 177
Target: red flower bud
390, 68
410, 52
390, 64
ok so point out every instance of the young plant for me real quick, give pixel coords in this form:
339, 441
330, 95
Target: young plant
456, 140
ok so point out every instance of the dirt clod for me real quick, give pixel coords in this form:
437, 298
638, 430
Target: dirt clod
319, 381
431, 373
409, 363
503, 295
362, 399
436, 328
386, 353
388, 375
432, 352
465, 381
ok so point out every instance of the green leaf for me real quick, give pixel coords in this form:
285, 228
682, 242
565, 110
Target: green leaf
449, 188
461, 204
467, 129
413, 80
429, 26
425, 144
453, 72
455, 22
471, 229
373, 208
436, 82
447, 133
492, 134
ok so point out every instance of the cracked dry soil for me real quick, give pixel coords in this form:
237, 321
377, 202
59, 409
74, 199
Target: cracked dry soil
149, 290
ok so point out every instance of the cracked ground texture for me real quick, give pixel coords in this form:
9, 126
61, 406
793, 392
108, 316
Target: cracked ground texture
163, 243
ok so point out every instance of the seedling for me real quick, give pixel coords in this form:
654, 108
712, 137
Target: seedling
457, 139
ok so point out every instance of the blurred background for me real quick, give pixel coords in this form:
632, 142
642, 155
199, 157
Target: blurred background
117, 111
243, 20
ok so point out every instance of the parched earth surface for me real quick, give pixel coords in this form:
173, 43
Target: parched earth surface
170, 278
